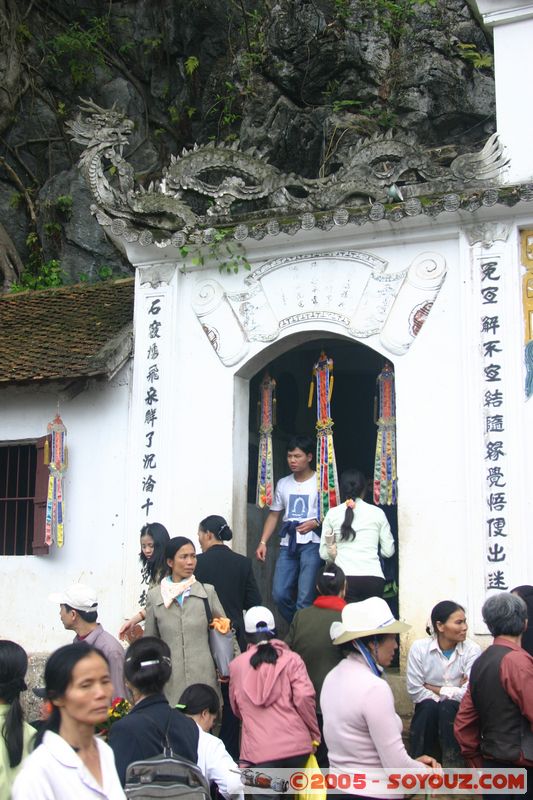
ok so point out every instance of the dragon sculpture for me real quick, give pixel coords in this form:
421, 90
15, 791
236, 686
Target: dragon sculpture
221, 182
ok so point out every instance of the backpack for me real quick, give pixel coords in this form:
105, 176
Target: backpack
163, 776
166, 775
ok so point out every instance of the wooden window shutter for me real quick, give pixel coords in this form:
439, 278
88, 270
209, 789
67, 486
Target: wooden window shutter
39, 503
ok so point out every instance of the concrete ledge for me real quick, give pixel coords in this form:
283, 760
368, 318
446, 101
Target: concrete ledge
402, 701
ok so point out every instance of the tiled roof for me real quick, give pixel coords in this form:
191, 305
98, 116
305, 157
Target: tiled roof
67, 332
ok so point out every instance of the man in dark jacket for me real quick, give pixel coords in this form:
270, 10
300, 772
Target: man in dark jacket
494, 723
232, 576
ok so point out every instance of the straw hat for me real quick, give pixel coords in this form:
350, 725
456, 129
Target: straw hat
367, 618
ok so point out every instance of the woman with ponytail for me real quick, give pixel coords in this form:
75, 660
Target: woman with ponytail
16, 735
309, 635
438, 669
230, 573
69, 761
354, 535
270, 691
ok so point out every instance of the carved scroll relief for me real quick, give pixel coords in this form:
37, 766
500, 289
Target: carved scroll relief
219, 323
413, 302
349, 289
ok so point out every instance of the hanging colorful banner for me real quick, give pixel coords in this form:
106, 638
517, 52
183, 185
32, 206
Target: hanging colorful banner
326, 467
267, 420
55, 455
385, 479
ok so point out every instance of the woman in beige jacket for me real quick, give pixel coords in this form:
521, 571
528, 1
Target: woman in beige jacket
176, 612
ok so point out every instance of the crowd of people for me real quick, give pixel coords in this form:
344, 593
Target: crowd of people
319, 691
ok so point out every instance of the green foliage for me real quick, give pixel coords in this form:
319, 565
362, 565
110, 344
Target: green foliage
225, 106
63, 204
469, 53
38, 274
49, 275
102, 273
23, 32
16, 199
150, 45
52, 229
80, 48
174, 114
344, 105
191, 65
125, 48
228, 256
342, 9
394, 15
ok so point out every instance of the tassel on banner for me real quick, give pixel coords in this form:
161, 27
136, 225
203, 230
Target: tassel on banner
54, 521
265, 470
326, 467
385, 477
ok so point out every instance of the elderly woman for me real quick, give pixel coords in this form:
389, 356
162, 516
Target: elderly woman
362, 730
495, 719
437, 679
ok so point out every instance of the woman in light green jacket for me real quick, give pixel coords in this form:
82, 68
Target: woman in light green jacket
16, 735
176, 612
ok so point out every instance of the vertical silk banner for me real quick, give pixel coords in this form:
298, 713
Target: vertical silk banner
326, 467
267, 420
55, 454
385, 478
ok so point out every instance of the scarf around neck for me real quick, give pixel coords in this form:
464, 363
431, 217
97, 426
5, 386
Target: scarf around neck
332, 602
170, 591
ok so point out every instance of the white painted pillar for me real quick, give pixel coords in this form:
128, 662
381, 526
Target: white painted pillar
512, 24
496, 547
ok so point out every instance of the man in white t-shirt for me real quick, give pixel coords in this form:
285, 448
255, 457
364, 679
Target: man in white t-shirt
298, 559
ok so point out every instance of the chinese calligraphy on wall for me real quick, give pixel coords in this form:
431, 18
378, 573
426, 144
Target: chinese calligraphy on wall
151, 370
494, 427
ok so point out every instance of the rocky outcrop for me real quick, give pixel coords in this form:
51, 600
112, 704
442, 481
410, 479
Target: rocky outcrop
301, 81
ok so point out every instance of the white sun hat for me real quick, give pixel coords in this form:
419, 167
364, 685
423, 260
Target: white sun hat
368, 618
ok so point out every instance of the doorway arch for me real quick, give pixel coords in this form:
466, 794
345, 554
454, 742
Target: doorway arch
290, 361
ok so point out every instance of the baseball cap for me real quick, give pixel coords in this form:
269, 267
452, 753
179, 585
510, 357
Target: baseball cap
257, 619
78, 596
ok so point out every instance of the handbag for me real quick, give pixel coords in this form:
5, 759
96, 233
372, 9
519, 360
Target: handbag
221, 644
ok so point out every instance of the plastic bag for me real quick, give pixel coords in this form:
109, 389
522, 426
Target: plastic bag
312, 764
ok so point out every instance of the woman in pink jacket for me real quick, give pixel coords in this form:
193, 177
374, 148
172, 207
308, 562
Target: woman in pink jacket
270, 691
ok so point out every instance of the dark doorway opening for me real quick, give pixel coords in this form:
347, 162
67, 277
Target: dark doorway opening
355, 370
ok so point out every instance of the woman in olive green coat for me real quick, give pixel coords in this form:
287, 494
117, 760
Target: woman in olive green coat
309, 635
176, 613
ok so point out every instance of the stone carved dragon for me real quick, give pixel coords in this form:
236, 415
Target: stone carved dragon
205, 182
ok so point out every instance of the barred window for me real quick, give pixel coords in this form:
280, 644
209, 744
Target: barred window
23, 489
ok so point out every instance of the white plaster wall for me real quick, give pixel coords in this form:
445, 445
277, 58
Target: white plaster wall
94, 486
513, 32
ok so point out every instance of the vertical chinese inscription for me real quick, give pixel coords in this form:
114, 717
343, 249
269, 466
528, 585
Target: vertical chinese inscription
496, 539
151, 371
